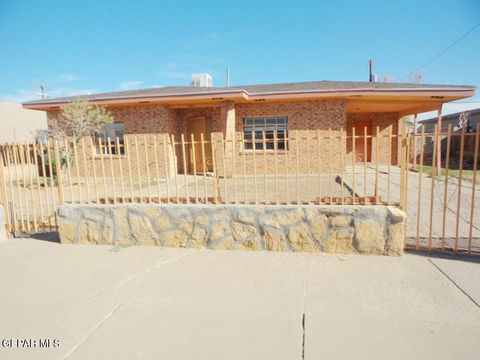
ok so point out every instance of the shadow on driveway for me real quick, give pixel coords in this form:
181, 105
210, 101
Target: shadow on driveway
51, 236
449, 255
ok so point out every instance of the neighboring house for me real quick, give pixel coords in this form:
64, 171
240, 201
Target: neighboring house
18, 124
326, 106
465, 118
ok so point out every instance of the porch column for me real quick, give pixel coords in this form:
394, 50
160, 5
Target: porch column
227, 116
227, 122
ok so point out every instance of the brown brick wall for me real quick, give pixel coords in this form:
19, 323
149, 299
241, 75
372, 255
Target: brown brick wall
312, 152
312, 115
306, 150
152, 119
386, 122
146, 119
132, 162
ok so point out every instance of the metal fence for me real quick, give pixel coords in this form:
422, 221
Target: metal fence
327, 167
442, 186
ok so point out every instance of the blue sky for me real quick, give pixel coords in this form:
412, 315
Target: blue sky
85, 46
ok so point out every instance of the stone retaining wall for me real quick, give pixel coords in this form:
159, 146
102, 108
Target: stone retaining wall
308, 228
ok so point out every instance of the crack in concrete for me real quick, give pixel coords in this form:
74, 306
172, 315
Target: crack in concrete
126, 281
95, 328
303, 336
129, 279
454, 283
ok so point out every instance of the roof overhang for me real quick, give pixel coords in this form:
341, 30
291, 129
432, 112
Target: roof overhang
404, 101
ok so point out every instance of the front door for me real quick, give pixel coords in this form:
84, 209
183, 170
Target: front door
363, 148
199, 154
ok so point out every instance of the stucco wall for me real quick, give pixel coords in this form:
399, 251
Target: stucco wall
308, 228
18, 124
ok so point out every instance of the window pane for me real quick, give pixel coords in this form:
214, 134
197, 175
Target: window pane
258, 135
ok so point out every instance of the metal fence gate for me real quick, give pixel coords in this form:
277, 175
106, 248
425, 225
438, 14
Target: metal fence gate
442, 190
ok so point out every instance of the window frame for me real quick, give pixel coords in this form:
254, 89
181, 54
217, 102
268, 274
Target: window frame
249, 125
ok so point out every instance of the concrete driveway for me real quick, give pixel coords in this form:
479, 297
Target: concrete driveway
101, 302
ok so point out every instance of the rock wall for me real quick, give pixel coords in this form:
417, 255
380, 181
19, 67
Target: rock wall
308, 228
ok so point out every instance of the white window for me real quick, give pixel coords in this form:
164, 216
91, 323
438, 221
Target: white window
273, 128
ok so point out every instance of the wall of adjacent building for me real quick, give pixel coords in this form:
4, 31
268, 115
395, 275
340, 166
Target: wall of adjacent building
18, 124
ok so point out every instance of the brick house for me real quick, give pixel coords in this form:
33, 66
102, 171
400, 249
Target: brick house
329, 107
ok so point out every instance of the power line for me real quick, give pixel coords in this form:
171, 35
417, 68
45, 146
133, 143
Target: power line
444, 51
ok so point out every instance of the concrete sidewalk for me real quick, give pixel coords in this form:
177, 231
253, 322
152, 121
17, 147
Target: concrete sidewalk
152, 303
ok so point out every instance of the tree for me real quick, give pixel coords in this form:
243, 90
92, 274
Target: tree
75, 120
78, 119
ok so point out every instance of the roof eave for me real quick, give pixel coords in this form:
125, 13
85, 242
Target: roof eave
459, 93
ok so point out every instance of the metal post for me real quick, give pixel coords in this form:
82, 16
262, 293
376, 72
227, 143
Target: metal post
439, 142
415, 123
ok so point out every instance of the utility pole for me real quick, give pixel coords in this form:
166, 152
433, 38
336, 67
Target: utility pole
42, 91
